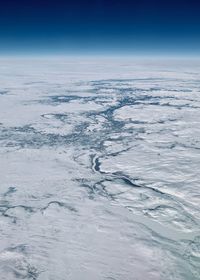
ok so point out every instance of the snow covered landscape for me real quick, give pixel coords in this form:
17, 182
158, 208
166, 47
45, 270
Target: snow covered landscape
99, 168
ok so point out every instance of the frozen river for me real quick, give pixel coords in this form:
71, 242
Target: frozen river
99, 168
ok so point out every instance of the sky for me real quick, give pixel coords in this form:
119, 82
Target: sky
100, 26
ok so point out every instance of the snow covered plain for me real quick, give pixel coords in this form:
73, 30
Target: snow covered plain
99, 168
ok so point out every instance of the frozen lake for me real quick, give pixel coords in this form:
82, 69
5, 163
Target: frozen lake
99, 168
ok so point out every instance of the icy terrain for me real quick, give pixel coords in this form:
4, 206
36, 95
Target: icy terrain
99, 168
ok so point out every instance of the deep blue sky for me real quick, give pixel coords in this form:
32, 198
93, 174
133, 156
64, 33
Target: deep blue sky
90, 26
